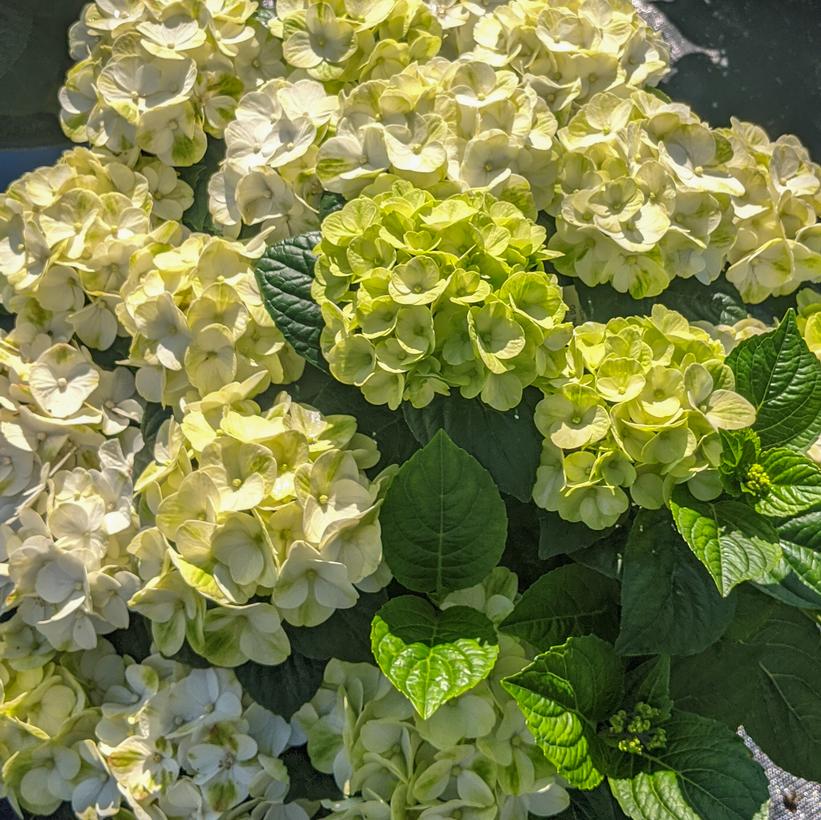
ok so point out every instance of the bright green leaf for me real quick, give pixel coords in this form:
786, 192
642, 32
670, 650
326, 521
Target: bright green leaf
506, 444
801, 546
564, 694
781, 377
432, 657
669, 602
794, 483
728, 537
284, 274
569, 601
705, 773
443, 521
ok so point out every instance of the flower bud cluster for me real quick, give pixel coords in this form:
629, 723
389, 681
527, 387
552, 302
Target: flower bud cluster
420, 295
156, 76
256, 517
778, 238
646, 195
636, 409
473, 758
67, 233
196, 321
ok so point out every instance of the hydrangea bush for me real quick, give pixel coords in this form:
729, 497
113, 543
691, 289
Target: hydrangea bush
406, 411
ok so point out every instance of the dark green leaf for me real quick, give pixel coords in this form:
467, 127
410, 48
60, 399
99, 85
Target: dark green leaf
781, 377
443, 520
330, 202
345, 635
768, 678
430, 656
560, 537
649, 683
793, 483
198, 216
306, 782
705, 771
569, 601
669, 602
507, 444
564, 694
285, 273
598, 804
135, 640
731, 539
284, 688
153, 418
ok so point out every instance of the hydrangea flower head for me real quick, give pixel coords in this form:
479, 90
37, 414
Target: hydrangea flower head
423, 295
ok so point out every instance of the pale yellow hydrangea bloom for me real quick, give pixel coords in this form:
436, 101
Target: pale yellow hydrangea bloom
67, 233
196, 321
157, 76
268, 178
646, 195
446, 127
635, 410
778, 239
474, 756
421, 295
257, 517
343, 42
570, 49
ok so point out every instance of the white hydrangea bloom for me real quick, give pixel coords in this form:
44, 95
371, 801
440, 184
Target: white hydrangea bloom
159, 76
67, 233
197, 322
259, 517
473, 758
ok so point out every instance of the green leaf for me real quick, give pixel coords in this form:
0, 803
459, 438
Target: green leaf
306, 783
649, 683
733, 541
319, 389
781, 377
284, 688
560, 537
198, 215
345, 635
598, 804
794, 483
569, 601
135, 640
443, 520
767, 678
564, 694
285, 273
432, 657
705, 773
507, 444
799, 573
669, 602
330, 202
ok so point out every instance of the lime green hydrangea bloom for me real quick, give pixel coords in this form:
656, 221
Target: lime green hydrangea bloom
778, 239
268, 177
256, 517
344, 42
636, 410
809, 318
421, 295
569, 49
157, 76
473, 758
196, 321
647, 195
445, 126
67, 233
